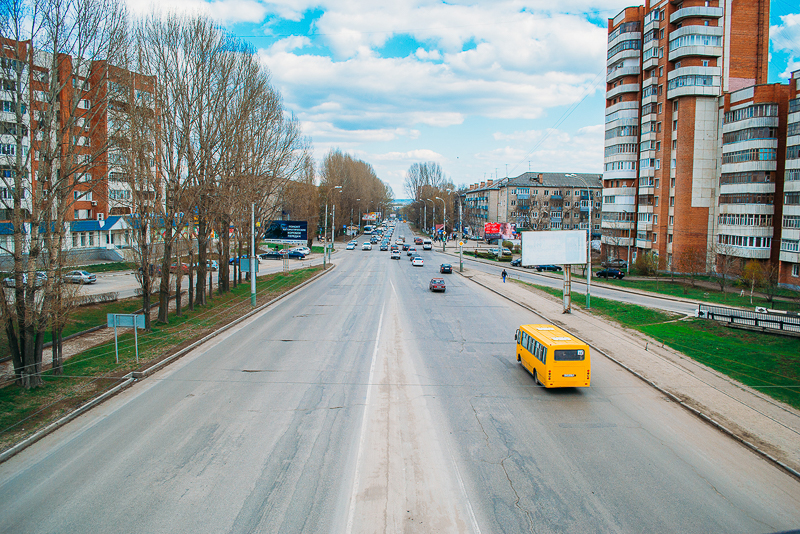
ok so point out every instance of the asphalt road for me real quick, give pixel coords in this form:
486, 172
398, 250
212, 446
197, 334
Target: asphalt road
365, 403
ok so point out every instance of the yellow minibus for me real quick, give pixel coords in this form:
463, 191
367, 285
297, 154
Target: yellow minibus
555, 358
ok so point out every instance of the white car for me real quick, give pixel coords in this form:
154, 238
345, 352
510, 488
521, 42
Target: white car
417, 262
366, 246
305, 250
351, 246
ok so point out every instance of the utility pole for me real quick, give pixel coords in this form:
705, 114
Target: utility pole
325, 237
253, 256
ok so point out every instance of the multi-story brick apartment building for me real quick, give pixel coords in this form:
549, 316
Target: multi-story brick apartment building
535, 201
695, 142
94, 135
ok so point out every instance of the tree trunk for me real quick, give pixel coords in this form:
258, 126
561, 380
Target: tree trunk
178, 279
202, 260
163, 291
57, 350
191, 276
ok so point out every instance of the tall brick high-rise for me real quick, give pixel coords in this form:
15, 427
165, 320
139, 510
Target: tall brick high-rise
696, 140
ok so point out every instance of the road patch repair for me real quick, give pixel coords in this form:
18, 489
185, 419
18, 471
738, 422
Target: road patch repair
767, 426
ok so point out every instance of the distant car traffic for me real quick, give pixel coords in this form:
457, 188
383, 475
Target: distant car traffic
384, 246
437, 284
80, 277
417, 262
417, 240
446, 268
412, 251
541, 268
610, 273
183, 267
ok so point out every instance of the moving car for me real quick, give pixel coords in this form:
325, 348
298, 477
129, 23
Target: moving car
412, 251
541, 268
406, 246
395, 255
437, 284
366, 246
417, 262
351, 246
384, 246
610, 273
295, 254
446, 268
427, 244
80, 277
418, 240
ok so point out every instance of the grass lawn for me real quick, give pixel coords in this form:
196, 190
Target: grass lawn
767, 362
95, 370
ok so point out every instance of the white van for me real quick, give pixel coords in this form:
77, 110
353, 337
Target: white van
427, 244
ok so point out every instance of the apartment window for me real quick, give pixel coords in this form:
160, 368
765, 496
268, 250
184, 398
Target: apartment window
659, 108
675, 106
796, 270
675, 125
658, 144
671, 220
669, 238
672, 201
655, 237
660, 71
661, 34
674, 144
656, 202
672, 183
658, 127
677, 64
85, 103
705, 63
656, 183
660, 89
655, 219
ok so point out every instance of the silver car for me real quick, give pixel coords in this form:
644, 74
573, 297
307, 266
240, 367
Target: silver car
80, 277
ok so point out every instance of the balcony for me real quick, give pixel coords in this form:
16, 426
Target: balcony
619, 72
696, 12
624, 88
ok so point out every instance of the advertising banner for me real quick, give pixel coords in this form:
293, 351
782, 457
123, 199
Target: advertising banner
287, 232
374, 216
499, 231
565, 247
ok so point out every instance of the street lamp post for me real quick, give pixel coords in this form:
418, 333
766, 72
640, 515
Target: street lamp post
333, 225
359, 215
444, 223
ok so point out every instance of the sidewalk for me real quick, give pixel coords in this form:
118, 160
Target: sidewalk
763, 423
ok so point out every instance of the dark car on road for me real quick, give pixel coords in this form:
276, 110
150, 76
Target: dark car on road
437, 284
406, 246
610, 273
446, 268
541, 268
271, 255
517, 262
384, 246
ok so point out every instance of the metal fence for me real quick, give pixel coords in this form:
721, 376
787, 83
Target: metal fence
767, 320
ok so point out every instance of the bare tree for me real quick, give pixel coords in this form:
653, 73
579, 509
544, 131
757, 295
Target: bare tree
54, 63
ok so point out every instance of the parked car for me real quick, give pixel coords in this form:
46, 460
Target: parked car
417, 262
155, 270
610, 273
174, 268
295, 255
517, 262
80, 277
212, 265
541, 268
495, 251
616, 263
303, 250
271, 255
437, 284
41, 278
446, 268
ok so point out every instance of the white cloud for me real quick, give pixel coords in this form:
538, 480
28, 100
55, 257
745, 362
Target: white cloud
423, 54
411, 156
223, 11
786, 36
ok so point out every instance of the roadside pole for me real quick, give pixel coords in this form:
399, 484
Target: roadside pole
567, 289
325, 239
461, 256
253, 257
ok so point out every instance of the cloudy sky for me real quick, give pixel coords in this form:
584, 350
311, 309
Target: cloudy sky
484, 88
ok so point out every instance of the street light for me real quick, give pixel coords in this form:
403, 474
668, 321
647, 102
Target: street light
444, 222
425, 224
333, 224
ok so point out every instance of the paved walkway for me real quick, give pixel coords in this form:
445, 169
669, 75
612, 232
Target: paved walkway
770, 426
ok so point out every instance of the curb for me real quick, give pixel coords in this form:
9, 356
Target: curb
694, 411
134, 376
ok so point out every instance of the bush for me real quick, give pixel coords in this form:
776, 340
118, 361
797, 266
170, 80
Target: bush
508, 244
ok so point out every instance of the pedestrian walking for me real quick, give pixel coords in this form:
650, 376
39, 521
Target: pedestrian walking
504, 276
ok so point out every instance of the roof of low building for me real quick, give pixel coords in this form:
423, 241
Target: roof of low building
546, 179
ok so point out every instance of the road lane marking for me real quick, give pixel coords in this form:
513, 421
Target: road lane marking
351, 512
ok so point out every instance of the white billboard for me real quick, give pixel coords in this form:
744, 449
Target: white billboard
560, 247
